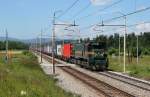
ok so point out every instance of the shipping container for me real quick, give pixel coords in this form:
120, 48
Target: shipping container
59, 50
67, 50
78, 50
49, 49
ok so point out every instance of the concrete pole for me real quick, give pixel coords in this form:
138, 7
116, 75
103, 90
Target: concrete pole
124, 66
36, 44
119, 49
6, 46
41, 46
53, 44
63, 39
137, 50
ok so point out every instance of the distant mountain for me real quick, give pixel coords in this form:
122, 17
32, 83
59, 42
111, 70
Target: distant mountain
45, 40
29, 41
11, 39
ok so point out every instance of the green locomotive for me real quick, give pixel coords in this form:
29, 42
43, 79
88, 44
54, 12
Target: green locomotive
90, 55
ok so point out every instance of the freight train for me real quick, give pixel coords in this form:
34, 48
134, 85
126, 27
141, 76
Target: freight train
88, 55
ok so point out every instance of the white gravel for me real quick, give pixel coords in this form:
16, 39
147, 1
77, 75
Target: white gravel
75, 86
125, 87
68, 82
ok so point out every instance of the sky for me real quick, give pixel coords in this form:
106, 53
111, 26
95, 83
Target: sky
24, 19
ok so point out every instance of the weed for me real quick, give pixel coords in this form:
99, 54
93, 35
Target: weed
23, 77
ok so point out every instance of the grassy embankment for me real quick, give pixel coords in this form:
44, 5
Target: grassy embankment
23, 77
141, 70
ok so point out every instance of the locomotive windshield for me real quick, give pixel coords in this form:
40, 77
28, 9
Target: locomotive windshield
98, 49
98, 46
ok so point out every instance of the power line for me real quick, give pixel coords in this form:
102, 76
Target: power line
70, 7
129, 26
138, 24
92, 14
125, 15
128, 14
83, 9
132, 25
84, 28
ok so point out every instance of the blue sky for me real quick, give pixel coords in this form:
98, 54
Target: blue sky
24, 19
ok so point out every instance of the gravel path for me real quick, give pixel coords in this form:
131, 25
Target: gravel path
69, 83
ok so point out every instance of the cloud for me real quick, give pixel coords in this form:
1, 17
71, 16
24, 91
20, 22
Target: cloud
145, 27
100, 2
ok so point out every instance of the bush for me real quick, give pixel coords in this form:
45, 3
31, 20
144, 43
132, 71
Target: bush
25, 52
28, 53
134, 52
29, 60
113, 51
146, 51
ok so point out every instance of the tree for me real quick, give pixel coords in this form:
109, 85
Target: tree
15, 45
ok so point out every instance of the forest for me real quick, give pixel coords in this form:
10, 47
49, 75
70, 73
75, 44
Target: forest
13, 45
112, 42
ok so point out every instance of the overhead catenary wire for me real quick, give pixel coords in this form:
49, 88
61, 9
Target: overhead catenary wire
129, 26
128, 14
82, 10
132, 25
94, 13
69, 8
115, 18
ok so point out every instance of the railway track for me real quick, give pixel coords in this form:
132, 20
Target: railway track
100, 86
128, 80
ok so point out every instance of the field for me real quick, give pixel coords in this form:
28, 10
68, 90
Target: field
22, 77
140, 70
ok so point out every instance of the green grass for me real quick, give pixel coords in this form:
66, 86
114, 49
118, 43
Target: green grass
23, 74
141, 70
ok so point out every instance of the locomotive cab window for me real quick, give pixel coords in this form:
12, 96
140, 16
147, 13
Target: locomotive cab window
98, 50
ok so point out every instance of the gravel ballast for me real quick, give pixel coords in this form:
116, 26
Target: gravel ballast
78, 87
123, 86
69, 83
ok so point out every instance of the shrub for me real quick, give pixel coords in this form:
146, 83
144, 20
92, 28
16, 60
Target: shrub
25, 52
134, 70
29, 60
146, 51
28, 53
134, 52
113, 51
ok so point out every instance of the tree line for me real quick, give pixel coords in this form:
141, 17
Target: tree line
112, 42
13, 45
